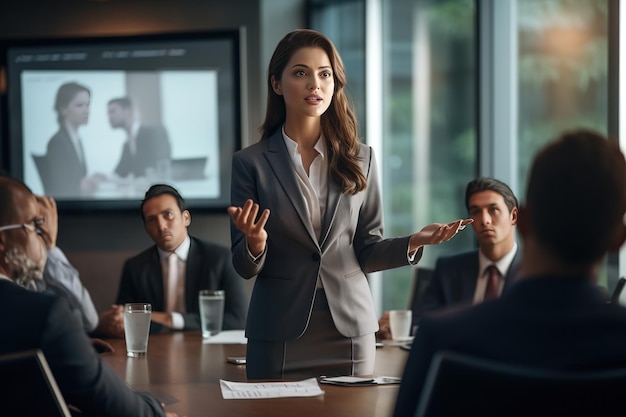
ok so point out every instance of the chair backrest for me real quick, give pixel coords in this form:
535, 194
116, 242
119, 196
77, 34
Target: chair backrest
462, 385
619, 295
28, 386
421, 279
41, 162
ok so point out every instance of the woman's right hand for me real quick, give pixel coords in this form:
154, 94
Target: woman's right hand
245, 219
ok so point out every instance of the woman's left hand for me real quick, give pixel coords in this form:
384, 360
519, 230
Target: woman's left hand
436, 233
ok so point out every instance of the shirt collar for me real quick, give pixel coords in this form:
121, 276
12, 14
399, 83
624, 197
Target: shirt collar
503, 264
292, 146
134, 129
182, 251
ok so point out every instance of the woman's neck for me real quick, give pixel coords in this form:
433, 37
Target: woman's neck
70, 127
304, 132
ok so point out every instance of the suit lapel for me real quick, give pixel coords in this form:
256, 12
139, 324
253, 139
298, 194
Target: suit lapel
280, 163
470, 271
513, 271
333, 200
83, 163
155, 270
192, 269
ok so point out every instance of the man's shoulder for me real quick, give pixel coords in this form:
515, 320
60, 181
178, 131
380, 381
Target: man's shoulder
455, 321
143, 257
10, 290
150, 130
455, 260
206, 246
14, 297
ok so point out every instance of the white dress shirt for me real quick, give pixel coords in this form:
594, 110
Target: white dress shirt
503, 264
314, 186
75, 139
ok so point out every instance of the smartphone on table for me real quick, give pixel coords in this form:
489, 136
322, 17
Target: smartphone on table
237, 360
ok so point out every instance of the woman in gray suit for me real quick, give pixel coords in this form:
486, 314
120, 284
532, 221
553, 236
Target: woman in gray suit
311, 312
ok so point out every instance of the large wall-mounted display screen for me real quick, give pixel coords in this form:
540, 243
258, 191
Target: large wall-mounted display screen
94, 122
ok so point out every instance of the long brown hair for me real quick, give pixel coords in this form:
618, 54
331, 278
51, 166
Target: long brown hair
338, 123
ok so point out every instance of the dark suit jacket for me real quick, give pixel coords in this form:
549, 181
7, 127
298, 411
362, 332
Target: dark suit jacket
153, 146
351, 244
42, 321
209, 267
454, 281
559, 323
66, 170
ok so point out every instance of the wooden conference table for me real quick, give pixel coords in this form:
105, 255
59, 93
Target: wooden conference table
184, 373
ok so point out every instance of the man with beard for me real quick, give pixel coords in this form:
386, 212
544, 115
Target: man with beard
45, 321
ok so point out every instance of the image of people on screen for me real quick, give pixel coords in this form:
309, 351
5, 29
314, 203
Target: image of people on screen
147, 150
63, 169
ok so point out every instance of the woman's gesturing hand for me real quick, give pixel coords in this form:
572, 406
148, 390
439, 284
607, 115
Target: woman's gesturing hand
245, 219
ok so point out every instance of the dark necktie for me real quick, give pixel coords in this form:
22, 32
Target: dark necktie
493, 283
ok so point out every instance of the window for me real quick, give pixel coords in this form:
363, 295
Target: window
430, 147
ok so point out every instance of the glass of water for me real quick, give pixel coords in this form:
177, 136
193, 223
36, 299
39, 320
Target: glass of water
211, 311
137, 328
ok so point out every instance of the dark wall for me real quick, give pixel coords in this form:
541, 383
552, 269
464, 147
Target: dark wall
95, 242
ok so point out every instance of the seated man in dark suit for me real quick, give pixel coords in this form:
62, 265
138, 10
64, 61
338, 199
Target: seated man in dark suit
464, 278
34, 320
147, 148
200, 265
554, 316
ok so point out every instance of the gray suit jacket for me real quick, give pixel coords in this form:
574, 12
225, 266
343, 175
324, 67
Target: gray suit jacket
454, 281
351, 244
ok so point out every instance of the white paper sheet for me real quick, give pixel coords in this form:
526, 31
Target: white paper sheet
228, 337
255, 390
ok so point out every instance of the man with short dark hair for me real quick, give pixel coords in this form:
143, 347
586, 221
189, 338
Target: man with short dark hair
464, 278
199, 264
554, 316
44, 321
147, 150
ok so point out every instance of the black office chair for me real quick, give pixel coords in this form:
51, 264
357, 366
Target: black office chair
617, 293
28, 387
462, 385
421, 279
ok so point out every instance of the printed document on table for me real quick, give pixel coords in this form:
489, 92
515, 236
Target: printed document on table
251, 390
